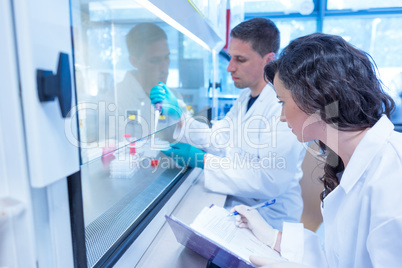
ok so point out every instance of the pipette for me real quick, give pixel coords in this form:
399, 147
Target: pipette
158, 108
158, 111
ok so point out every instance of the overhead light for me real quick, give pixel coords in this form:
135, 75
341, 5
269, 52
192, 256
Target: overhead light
169, 20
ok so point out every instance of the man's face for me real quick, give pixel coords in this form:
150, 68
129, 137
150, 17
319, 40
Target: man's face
246, 65
153, 64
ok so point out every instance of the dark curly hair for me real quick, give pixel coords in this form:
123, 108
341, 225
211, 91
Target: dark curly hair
327, 75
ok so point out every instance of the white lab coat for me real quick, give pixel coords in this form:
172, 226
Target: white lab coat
252, 156
130, 96
363, 215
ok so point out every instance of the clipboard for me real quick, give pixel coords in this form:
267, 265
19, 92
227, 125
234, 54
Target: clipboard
204, 246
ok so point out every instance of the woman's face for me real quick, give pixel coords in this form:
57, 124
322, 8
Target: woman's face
306, 127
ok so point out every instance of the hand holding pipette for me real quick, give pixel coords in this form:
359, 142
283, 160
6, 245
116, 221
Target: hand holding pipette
162, 96
158, 112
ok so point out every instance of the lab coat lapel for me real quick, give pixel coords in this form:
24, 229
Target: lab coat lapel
255, 109
365, 152
243, 113
131, 96
131, 89
256, 106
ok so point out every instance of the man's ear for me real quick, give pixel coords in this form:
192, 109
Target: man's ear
270, 56
133, 60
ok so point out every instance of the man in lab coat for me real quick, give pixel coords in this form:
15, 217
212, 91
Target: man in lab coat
150, 56
249, 155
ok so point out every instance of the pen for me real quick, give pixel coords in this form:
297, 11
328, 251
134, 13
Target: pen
265, 204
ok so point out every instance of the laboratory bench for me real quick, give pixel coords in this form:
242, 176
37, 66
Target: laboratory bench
165, 251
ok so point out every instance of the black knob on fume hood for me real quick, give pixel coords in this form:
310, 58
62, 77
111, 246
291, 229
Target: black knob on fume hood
56, 85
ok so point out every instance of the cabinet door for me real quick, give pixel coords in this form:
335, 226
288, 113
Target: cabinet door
42, 33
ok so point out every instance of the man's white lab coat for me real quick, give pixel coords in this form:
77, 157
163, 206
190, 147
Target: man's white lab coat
363, 215
130, 98
252, 156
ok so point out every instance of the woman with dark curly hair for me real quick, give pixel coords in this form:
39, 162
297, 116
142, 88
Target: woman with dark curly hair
330, 92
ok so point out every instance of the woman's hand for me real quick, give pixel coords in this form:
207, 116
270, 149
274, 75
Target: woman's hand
251, 219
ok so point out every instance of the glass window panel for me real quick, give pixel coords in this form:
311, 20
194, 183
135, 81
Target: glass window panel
285, 6
362, 4
227, 93
113, 84
378, 37
120, 187
291, 29
194, 70
121, 51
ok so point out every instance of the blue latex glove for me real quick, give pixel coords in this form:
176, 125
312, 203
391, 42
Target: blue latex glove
161, 93
186, 155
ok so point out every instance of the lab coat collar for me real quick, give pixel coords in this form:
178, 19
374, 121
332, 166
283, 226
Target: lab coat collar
365, 151
266, 93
